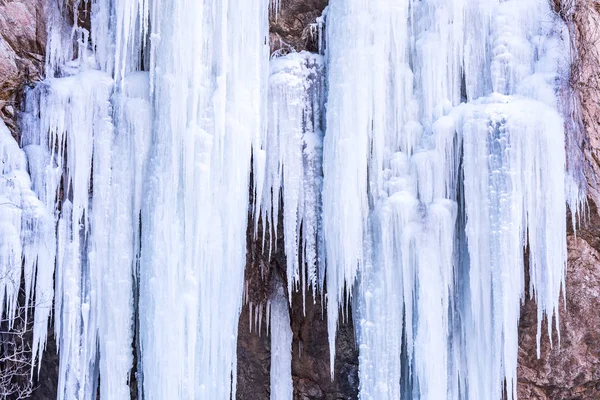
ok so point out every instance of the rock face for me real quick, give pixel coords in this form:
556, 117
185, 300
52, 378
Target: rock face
571, 368
22, 45
310, 349
583, 19
293, 25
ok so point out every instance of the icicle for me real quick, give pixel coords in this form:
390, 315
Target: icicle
23, 229
317, 29
281, 346
422, 212
75, 119
405, 171
292, 165
59, 46
119, 33
345, 152
208, 110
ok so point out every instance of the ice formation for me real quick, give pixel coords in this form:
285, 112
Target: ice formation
281, 345
413, 163
26, 245
448, 150
289, 167
141, 148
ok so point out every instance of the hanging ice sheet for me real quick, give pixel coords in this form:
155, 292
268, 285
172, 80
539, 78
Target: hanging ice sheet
289, 167
74, 151
440, 200
26, 243
147, 174
209, 70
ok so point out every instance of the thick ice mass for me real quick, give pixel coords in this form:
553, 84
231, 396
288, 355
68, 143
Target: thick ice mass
289, 164
26, 244
412, 163
448, 150
140, 148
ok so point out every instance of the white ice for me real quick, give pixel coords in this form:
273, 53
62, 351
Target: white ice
288, 167
443, 160
414, 162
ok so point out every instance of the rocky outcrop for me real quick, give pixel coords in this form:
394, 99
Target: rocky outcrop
293, 25
22, 45
310, 348
310, 357
583, 20
571, 368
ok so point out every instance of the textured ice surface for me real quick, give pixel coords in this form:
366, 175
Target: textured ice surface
288, 165
446, 143
281, 346
412, 164
194, 212
140, 147
26, 243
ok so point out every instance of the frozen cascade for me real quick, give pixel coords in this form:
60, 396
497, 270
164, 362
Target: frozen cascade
437, 159
448, 150
74, 149
146, 173
281, 346
209, 101
25, 244
291, 156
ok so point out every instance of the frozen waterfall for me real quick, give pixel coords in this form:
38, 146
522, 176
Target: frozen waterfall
418, 164
442, 161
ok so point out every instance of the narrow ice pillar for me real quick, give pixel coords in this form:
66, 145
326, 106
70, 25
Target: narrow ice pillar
281, 346
209, 69
345, 152
428, 203
291, 150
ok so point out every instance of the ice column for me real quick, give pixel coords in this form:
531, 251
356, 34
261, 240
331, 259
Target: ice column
289, 166
281, 345
87, 142
209, 74
430, 203
24, 249
74, 119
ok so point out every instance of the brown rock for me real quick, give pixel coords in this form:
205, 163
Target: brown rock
22, 45
310, 354
310, 348
583, 19
291, 25
571, 368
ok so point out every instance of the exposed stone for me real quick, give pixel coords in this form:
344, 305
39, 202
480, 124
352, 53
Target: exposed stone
310, 347
310, 354
583, 21
291, 25
22, 45
571, 368
253, 360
